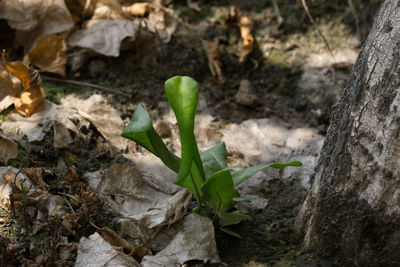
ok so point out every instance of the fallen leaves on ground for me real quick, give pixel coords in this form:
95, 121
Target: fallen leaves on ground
35, 18
9, 89
59, 212
49, 55
8, 149
26, 101
245, 25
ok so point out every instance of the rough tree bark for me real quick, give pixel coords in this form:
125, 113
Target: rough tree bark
352, 212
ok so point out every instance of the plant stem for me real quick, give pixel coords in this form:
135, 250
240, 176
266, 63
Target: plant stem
196, 190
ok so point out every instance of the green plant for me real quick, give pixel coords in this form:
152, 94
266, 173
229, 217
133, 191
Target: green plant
205, 174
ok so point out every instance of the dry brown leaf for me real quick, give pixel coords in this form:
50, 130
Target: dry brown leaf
27, 101
34, 18
116, 241
49, 55
163, 24
19, 70
81, 9
245, 25
214, 63
104, 36
9, 88
106, 10
137, 9
8, 149
193, 5
72, 174
36, 175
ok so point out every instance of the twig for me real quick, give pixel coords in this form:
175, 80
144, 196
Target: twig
316, 27
69, 204
46, 78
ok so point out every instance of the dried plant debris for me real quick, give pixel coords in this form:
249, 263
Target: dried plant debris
9, 88
49, 55
211, 46
33, 19
48, 216
105, 118
194, 241
26, 101
245, 25
95, 251
8, 149
105, 36
137, 9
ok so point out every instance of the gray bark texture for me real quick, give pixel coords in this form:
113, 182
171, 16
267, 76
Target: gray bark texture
352, 212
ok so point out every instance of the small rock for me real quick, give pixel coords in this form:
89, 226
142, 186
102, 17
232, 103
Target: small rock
246, 95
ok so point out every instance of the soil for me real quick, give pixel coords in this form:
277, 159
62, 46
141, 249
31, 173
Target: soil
275, 69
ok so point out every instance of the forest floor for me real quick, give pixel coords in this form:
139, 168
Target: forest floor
291, 81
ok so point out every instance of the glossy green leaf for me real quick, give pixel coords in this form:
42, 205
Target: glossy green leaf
242, 175
141, 130
182, 94
214, 159
219, 191
283, 165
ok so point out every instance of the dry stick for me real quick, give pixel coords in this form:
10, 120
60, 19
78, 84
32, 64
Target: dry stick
316, 27
86, 85
354, 12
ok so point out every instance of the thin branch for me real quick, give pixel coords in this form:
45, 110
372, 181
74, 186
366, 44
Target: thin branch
316, 27
46, 78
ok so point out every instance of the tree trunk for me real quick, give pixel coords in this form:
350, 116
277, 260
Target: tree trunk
352, 212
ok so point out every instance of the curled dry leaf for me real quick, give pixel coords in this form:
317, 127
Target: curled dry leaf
104, 36
36, 176
163, 23
8, 149
49, 55
118, 242
26, 102
211, 47
33, 128
106, 10
95, 251
137, 9
194, 241
245, 26
248, 39
9, 89
35, 18
104, 117
192, 4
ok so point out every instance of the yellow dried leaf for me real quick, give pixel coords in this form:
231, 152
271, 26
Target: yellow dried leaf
248, 39
49, 55
19, 70
137, 9
26, 104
